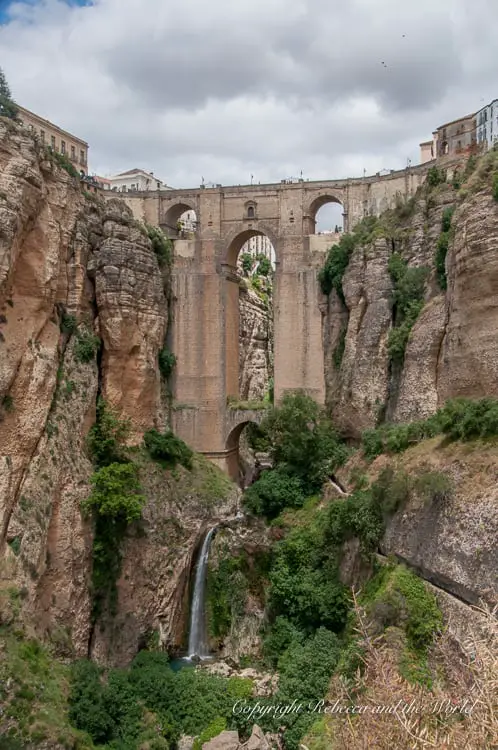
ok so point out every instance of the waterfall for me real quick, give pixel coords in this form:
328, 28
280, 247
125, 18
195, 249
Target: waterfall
197, 645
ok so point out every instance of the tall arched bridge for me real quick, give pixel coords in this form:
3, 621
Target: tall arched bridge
205, 324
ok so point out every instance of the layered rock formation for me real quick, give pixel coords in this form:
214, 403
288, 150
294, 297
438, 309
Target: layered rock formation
452, 349
255, 343
83, 312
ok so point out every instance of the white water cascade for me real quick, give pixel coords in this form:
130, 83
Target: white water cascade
197, 645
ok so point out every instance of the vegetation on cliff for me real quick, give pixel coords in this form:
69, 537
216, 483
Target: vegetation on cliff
458, 419
8, 107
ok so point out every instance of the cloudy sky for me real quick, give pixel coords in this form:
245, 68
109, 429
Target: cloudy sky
226, 89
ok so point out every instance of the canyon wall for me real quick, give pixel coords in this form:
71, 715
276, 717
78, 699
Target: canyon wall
452, 349
83, 314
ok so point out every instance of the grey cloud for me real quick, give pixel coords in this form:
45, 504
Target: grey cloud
227, 89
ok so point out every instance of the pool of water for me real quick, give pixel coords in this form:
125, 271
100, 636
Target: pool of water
184, 663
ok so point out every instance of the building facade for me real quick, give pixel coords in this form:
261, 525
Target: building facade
487, 125
57, 139
427, 151
136, 180
457, 137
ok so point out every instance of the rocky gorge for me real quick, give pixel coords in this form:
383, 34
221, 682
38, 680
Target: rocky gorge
84, 315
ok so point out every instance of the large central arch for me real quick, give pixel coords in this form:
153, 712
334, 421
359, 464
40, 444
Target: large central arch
232, 282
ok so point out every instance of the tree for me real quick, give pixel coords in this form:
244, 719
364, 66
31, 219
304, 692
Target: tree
303, 440
7, 105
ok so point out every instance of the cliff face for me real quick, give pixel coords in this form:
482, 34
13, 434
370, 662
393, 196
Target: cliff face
255, 344
74, 271
452, 349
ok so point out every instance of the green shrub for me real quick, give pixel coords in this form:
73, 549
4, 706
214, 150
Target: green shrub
436, 177
63, 162
465, 419
440, 259
213, 730
247, 262
272, 492
257, 438
407, 301
336, 263
167, 362
86, 346
168, 449
68, 323
107, 436
116, 493
264, 265
115, 502
8, 403
303, 441
495, 186
282, 634
226, 595
391, 490
434, 486
396, 438
161, 245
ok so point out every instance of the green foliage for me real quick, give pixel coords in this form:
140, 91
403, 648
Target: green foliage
436, 177
115, 502
272, 492
304, 586
161, 245
331, 275
303, 440
264, 266
107, 436
8, 107
447, 217
470, 167
213, 730
305, 669
15, 545
86, 345
226, 595
442, 246
8, 403
114, 707
465, 419
116, 494
407, 300
168, 449
391, 490
247, 262
402, 598
440, 259
282, 634
68, 323
339, 349
396, 438
63, 161
257, 438
434, 486
167, 362
495, 186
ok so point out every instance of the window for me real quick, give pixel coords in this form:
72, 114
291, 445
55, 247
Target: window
73, 152
63, 147
52, 141
250, 212
42, 136
82, 157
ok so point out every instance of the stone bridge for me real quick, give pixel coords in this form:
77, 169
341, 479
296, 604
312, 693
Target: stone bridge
204, 333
